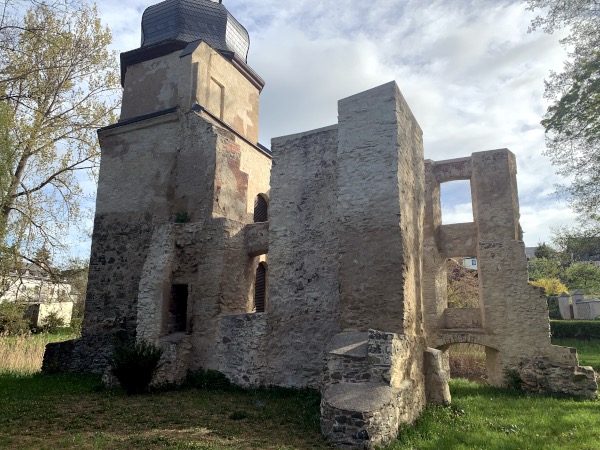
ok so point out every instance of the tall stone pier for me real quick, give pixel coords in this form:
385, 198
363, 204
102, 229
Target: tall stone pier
375, 374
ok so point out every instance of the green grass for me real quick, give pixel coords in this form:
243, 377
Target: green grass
75, 412
71, 412
483, 417
588, 351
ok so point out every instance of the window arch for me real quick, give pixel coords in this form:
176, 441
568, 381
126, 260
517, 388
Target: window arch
261, 209
260, 288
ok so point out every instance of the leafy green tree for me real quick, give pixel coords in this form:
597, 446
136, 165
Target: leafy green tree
572, 122
57, 87
578, 243
539, 268
583, 275
544, 251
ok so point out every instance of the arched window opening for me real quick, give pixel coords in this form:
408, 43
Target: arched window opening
260, 288
261, 209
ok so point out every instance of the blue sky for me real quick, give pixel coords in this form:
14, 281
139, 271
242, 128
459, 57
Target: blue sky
473, 76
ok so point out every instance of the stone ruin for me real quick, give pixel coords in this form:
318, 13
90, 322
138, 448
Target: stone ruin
577, 307
317, 264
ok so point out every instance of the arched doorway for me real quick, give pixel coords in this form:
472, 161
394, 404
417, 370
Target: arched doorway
474, 362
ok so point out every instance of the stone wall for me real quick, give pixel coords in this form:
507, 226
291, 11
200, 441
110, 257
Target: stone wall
303, 256
202, 76
243, 347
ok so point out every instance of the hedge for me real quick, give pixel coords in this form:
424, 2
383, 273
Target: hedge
578, 329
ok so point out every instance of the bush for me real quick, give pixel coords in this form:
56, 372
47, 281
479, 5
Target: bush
552, 286
208, 379
578, 329
12, 319
52, 323
135, 365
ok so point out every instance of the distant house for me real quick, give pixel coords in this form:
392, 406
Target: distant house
530, 252
43, 294
469, 263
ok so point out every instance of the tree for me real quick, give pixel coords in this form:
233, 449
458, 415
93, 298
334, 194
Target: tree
57, 87
572, 122
580, 242
544, 251
539, 268
583, 275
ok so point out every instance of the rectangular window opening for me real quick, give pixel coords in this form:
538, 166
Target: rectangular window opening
456, 202
178, 308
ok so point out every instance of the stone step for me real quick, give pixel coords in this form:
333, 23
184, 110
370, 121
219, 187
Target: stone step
361, 415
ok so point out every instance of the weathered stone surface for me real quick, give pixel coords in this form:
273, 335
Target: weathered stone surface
465, 318
373, 383
437, 377
356, 282
543, 375
512, 322
257, 238
242, 348
380, 210
303, 256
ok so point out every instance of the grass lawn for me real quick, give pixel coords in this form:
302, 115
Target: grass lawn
483, 417
75, 412
588, 351
70, 412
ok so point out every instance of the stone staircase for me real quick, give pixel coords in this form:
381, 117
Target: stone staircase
373, 382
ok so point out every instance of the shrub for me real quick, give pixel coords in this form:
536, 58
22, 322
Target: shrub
52, 323
552, 286
135, 365
578, 329
208, 379
12, 319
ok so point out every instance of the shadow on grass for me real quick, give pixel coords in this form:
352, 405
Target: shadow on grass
74, 413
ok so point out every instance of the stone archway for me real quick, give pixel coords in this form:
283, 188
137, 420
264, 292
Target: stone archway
493, 354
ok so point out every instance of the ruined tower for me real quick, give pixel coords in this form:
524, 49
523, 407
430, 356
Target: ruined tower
180, 174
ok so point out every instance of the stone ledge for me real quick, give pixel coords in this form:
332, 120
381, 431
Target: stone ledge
353, 344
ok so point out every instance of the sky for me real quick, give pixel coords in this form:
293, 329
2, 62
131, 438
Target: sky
470, 71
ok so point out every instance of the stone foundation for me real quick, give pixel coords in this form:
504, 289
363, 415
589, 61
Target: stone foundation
543, 375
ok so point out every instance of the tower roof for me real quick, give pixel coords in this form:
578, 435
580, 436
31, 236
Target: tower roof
187, 21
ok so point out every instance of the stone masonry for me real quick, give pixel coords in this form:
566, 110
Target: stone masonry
317, 264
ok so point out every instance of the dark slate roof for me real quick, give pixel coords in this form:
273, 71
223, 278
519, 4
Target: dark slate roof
192, 20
